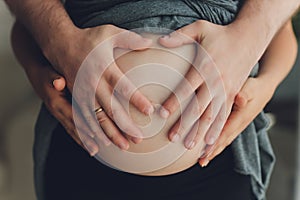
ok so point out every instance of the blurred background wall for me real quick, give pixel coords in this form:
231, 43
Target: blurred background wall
19, 107
18, 111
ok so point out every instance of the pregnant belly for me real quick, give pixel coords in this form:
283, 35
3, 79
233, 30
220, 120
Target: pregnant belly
155, 72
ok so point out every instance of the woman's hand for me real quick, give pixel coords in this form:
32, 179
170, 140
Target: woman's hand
102, 65
275, 64
249, 102
222, 65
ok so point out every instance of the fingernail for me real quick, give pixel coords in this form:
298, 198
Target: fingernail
123, 146
164, 113
149, 110
205, 163
175, 137
190, 144
92, 151
211, 140
137, 140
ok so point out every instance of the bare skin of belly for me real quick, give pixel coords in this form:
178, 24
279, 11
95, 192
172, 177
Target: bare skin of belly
156, 72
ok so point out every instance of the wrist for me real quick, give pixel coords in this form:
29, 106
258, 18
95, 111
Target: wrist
60, 48
254, 40
70, 51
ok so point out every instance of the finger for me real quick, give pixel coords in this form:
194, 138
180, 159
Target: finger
198, 130
55, 79
130, 40
59, 84
191, 114
193, 137
202, 125
81, 130
89, 144
232, 128
90, 118
218, 122
184, 90
63, 112
127, 89
112, 131
182, 36
116, 112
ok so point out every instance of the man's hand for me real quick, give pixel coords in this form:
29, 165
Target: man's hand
41, 76
56, 102
66, 46
99, 77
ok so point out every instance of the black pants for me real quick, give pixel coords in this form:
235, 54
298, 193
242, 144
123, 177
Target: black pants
71, 174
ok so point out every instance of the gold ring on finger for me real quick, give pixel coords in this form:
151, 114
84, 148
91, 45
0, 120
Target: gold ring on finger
98, 110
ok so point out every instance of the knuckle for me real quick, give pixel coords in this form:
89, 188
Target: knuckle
206, 69
200, 108
126, 91
196, 112
221, 118
181, 129
111, 137
186, 88
102, 118
51, 104
110, 112
199, 23
108, 29
184, 92
89, 119
207, 119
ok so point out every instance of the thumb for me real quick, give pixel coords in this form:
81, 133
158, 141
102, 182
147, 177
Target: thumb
244, 96
59, 83
55, 79
241, 100
186, 35
131, 40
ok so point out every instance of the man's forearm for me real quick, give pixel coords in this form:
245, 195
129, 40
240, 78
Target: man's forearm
47, 21
27, 52
261, 19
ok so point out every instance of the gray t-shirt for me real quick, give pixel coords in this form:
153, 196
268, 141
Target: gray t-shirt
252, 150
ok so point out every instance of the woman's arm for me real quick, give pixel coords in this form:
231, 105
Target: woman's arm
275, 64
281, 52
